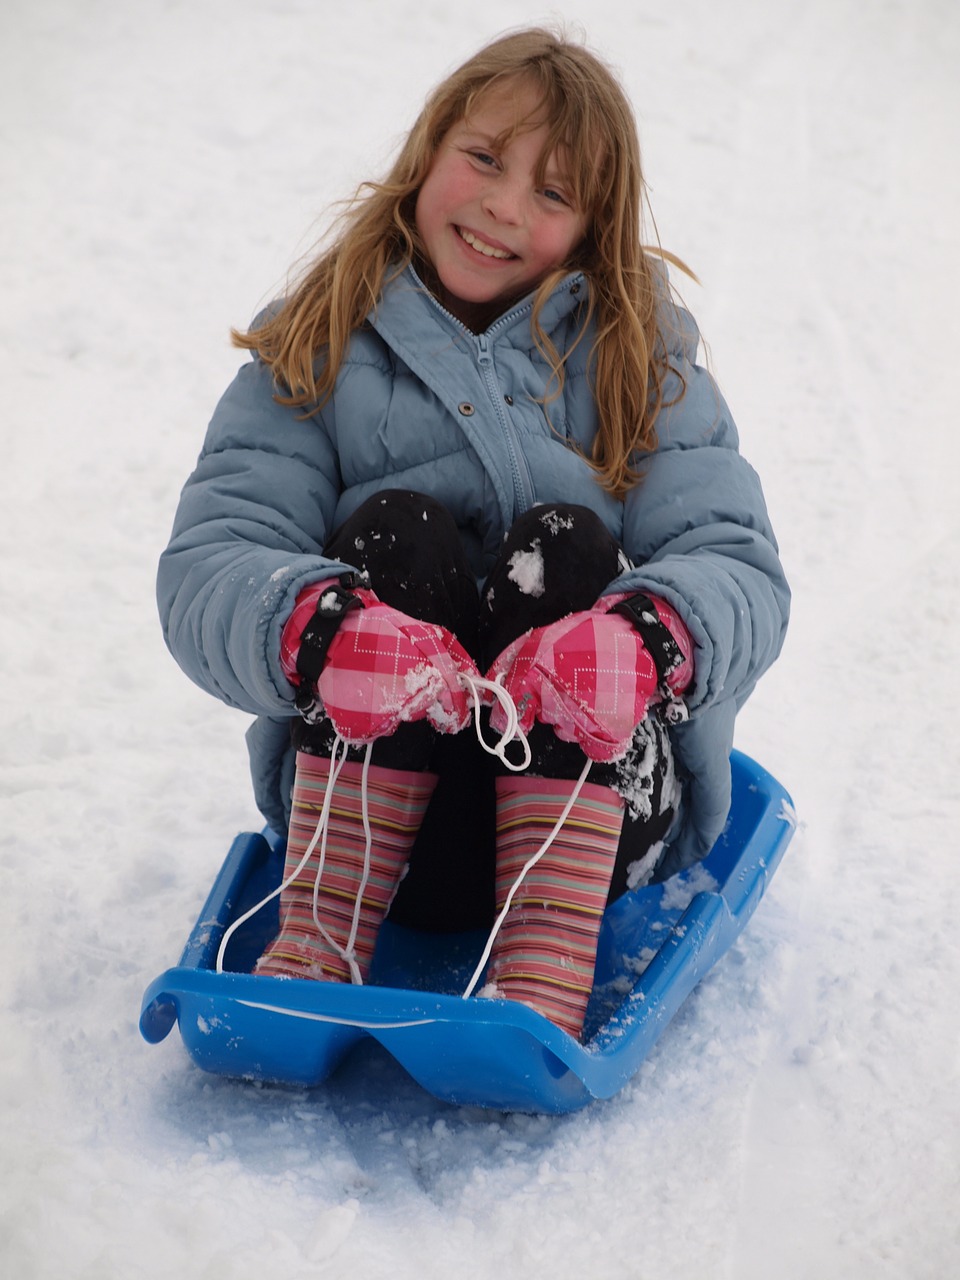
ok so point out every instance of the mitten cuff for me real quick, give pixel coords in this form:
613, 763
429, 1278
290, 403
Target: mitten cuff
308, 631
664, 635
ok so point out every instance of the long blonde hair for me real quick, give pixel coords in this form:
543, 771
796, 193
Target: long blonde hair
589, 117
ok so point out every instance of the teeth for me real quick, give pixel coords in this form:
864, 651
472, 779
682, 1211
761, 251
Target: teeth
481, 246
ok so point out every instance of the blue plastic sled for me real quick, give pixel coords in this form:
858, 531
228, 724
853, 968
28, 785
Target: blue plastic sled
656, 944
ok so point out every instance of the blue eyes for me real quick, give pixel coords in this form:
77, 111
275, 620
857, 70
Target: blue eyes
488, 161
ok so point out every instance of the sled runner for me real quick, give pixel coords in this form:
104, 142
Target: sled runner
656, 944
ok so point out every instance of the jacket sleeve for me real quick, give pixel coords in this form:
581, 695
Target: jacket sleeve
248, 536
697, 528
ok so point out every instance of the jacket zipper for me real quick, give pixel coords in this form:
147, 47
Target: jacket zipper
522, 481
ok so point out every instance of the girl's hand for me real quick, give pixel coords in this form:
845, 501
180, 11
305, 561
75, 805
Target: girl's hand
591, 675
382, 668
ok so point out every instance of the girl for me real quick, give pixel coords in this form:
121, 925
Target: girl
474, 439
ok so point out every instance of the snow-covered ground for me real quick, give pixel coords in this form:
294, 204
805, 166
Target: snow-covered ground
162, 165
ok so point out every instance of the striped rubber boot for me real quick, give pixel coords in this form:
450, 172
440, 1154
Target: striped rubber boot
546, 950
395, 804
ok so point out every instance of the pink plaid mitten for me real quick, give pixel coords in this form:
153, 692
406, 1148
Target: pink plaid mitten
591, 675
381, 667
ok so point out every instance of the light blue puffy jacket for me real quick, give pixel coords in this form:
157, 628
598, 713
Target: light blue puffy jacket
421, 403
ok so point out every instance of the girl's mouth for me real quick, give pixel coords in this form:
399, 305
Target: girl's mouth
481, 246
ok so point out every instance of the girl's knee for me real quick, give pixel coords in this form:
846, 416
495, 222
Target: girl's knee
409, 547
564, 522
403, 515
556, 559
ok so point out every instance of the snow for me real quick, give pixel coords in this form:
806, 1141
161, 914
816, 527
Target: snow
164, 163
526, 570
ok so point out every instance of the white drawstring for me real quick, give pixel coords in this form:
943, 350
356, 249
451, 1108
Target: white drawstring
320, 835
527, 866
511, 732
348, 953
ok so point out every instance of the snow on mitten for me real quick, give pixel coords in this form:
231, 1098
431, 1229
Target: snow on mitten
593, 675
373, 667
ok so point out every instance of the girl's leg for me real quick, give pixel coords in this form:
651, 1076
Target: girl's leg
409, 546
331, 913
558, 559
545, 951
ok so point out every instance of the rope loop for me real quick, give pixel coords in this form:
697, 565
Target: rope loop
511, 733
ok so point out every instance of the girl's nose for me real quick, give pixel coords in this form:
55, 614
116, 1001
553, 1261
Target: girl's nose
503, 202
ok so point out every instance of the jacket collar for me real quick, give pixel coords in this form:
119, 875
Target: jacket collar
408, 314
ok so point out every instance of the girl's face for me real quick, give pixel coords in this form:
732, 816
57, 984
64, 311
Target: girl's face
491, 232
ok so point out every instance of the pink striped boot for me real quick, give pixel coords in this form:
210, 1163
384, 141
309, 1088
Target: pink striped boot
545, 952
331, 912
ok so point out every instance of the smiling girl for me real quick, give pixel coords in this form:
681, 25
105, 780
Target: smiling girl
497, 211
474, 470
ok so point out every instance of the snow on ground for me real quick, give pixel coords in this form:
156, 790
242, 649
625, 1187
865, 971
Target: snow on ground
162, 165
